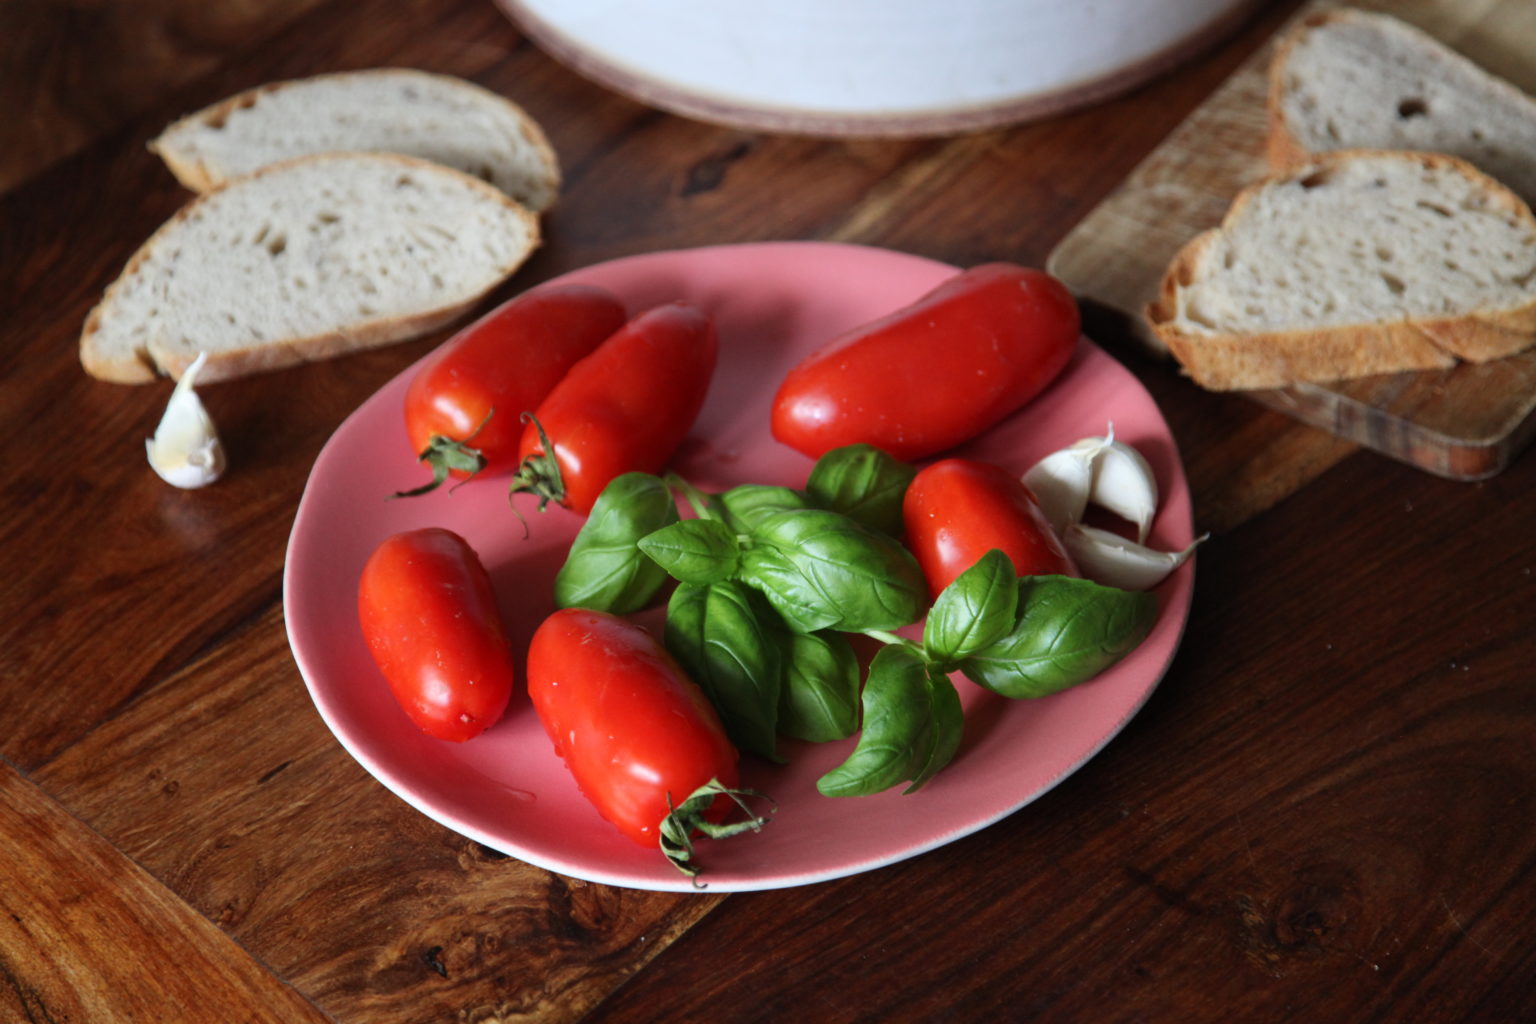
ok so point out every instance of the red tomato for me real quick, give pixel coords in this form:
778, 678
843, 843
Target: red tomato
927, 377
628, 722
956, 510
624, 408
431, 622
476, 387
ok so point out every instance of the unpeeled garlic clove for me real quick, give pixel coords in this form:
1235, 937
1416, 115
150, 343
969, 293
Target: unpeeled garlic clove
185, 451
1114, 561
1123, 482
1061, 483
1095, 470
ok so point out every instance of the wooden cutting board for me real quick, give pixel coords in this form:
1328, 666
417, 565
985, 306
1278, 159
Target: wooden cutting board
1464, 423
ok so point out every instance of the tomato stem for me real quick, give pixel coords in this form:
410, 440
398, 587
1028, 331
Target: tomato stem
446, 455
540, 472
684, 819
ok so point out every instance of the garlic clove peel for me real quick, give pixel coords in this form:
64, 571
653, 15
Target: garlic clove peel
1114, 561
1060, 483
1123, 483
185, 451
1097, 471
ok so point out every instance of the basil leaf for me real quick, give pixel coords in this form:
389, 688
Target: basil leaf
606, 570
722, 636
747, 504
694, 550
947, 729
857, 579
791, 593
975, 610
864, 483
1066, 632
819, 700
897, 740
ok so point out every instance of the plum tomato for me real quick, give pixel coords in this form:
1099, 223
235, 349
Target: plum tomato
936, 373
636, 732
956, 510
624, 408
464, 407
430, 620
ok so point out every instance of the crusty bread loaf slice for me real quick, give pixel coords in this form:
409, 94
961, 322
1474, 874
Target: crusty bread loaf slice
1351, 79
394, 110
305, 260
1362, 262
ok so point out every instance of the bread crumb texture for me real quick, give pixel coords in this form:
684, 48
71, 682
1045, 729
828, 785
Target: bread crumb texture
1359, 241
305, 260
394, 110
1350, 79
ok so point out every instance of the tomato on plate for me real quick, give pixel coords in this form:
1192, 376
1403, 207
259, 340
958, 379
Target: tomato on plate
624, 408
430, 620
638, 734
464, 407
935, 373
956, 510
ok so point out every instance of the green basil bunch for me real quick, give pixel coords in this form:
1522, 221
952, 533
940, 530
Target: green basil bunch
770, 580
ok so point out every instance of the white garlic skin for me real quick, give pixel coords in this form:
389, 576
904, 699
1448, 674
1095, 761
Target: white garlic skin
1114, 561
1060, 483
1095, 471
1123, 483
1111, 475
186, 451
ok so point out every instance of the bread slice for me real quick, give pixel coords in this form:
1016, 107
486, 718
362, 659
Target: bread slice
395, 110
305, 260
1350, 79
1362, 262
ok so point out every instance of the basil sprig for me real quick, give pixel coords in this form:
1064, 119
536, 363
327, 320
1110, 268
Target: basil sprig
770, 579
1018, 636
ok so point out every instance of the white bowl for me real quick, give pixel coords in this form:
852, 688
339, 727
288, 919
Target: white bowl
872, 67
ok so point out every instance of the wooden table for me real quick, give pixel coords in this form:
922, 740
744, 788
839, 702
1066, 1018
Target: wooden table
1324, 813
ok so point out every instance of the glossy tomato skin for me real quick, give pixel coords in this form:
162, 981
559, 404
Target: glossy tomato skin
503, 365
956, 510
934, 374
430, 620
628, 722
627, 406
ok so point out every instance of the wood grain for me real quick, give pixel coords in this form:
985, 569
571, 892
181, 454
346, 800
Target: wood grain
89, 69
1324, 811
67, 888
405, 921
1464, 423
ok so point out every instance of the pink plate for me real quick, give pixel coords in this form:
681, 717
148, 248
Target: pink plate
774, 303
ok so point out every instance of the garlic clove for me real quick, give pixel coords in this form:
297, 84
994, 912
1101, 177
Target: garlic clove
1061, 483
185, 451
1114, 561
1123, 482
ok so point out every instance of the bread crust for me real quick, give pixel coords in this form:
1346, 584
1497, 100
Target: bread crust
148, 365
198, 176
1244, 361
